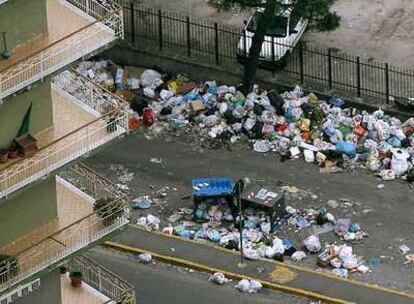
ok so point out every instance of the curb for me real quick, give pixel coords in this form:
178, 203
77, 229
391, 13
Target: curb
234, 276
292, 267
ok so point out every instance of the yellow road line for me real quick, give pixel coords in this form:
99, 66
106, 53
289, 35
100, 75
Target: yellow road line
296, 267
234, 276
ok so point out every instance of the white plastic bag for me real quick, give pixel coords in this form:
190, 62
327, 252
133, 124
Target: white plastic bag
218, 278
399, 161
145, 258
255, 286
312, 244
298, 256
243, 285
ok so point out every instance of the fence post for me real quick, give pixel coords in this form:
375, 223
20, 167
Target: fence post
188, 37
330, 68
244, 43
387, 83
216, 44
132, 21
358, 77
301, 60
273, 55
160, 28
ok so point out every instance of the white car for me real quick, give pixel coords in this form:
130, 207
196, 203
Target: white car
285, 32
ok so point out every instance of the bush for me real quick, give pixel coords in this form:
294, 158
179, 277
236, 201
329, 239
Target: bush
108, 211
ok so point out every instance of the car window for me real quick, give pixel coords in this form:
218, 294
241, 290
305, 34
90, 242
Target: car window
294, 19
277, 27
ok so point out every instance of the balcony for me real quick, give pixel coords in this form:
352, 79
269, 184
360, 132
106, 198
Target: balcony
78, 225
102, 286
86, 117
76, 28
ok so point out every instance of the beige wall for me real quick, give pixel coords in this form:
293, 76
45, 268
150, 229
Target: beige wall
12, 112
22, 20
27, 210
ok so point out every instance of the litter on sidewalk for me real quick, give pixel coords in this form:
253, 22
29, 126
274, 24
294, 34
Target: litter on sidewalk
294, 124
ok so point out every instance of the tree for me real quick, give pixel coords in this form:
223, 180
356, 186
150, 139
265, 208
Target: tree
317, 12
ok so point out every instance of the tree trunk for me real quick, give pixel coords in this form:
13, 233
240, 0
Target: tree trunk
252, 63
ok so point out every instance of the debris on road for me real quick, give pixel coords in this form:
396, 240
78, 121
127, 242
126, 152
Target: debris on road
145, 258
218, 278
251, 286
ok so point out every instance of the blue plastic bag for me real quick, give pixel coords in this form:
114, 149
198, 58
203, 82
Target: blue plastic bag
193, 95
346, 148
336, 102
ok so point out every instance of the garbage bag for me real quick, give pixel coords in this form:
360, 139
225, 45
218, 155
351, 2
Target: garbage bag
151, 79
298, 256
218, 278
255, 286
277, 102
243, 285
346, 148
312, 244
336, 101
214, 236
399, 161
277, 245
145, 258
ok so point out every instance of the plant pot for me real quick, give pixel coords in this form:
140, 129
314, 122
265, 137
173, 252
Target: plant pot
13, 154
75, 278
3, 156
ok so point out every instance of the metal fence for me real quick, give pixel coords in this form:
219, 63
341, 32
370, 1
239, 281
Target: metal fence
180, 35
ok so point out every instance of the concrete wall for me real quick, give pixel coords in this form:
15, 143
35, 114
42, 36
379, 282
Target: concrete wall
22, 20
49, 291
27, 210
12, 112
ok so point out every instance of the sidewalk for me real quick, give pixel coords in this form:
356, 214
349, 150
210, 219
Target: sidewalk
274, 272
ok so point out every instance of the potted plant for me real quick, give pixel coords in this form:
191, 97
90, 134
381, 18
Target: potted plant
107, 210
63, 269
75, 278
9, 265
3, 155
13, 151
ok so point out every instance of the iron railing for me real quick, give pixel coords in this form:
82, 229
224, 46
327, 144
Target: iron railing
177, 34
112, 124
61, 244
107, 28
103, 280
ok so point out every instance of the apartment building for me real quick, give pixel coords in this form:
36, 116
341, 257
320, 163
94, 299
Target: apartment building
52, 207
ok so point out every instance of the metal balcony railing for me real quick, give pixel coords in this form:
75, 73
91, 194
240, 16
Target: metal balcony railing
78, 235
112, 124
107, 28
107, 283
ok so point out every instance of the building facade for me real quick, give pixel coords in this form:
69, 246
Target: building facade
53, 208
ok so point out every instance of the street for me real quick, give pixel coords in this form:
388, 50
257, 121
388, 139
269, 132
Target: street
160, 283
385, 214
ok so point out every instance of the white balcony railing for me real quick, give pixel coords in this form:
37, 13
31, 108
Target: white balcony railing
107, 28
109, 126
107, 283
78, 235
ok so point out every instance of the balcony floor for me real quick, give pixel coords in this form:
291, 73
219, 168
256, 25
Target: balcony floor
84, 294
71, 207
62, 21
67, 117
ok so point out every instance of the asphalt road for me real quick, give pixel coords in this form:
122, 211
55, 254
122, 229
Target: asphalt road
385, 214
160, 283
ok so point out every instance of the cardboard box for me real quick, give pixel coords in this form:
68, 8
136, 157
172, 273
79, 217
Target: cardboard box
197, 106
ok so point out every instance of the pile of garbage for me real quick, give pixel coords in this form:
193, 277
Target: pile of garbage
294, 124
216, 224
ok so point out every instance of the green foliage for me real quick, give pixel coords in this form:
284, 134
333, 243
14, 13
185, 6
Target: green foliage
316, 11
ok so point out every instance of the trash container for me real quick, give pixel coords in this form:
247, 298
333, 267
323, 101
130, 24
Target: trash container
270, 201
211, 191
